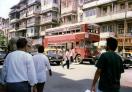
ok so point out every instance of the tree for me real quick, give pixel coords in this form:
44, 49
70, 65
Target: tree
3, 41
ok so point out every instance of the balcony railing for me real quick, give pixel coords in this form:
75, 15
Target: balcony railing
22, 27
32, 23
14, 20
48, 19
23, 7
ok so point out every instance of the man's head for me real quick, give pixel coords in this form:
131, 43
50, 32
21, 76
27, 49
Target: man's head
40, 49
21, 43
111, 44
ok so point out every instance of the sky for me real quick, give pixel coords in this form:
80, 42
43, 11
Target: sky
5, 6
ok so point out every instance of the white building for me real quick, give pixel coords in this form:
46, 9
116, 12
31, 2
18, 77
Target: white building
110, 15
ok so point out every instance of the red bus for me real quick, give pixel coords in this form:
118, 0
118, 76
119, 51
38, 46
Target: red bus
79, 36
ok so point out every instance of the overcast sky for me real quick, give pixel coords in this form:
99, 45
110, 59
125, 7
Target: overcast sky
5, 6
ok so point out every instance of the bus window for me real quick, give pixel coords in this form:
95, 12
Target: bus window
73, 31
78, 30
60, 33
68, 32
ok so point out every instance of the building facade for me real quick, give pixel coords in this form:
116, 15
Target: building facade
114, 18
68, 11
50, 14
30, 18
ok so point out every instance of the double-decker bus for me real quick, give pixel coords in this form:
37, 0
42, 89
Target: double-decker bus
79, 36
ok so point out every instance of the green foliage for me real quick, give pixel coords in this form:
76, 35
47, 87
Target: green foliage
3, 40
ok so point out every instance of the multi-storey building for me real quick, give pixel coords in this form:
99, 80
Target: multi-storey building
22, 19
111, 16
33, 19
6, 27
14, 21
68, 11
50, 14
1, 25
25, 19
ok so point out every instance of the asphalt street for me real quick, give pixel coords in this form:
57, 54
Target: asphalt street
79, 78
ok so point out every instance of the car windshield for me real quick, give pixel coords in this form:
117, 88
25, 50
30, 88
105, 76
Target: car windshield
51, 52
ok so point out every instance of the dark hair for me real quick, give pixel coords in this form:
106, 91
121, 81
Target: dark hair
112, 43
21, 43
41, 49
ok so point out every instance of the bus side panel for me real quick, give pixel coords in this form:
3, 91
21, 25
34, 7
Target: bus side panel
84, 52
45, 42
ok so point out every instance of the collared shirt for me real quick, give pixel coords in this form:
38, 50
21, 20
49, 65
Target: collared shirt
72, 53
18, 67
41, 63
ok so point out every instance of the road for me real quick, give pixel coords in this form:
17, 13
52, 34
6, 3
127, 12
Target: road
78, 78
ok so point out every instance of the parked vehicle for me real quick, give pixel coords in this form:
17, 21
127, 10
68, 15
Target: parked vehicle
2, 56
127, 62
54, 56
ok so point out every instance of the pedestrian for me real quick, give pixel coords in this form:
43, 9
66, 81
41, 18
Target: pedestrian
66, 59
18, 70
72, 54
41, 64
109, 69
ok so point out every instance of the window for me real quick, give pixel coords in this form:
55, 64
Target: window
37, 7
31, 30
104, 10
69, 18
122, 6
78, 30
81, 17
46, 2
129, 28
109, 29
48, 14
55, 1
130, 5
90, 12
81, 1
120, 28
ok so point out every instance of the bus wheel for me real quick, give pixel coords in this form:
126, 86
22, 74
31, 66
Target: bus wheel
78, 59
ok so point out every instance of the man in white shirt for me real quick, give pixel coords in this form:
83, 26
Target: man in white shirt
41, 62
67, 59
19, 70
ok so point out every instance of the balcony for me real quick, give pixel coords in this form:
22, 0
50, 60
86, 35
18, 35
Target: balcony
33, 13
48, 20
33, 31
108, 17
22, 27
13, 11
35, 23
67, 10
96, 3
23, 16
49, 9
42, 33
23, 7
14, 20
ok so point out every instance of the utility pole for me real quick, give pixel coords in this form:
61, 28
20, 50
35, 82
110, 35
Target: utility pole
125, 27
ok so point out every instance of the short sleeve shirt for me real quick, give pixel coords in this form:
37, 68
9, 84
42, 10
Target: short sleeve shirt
111, 66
